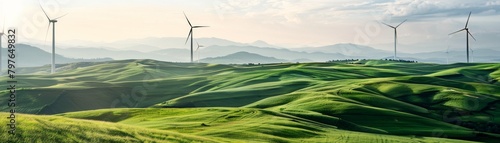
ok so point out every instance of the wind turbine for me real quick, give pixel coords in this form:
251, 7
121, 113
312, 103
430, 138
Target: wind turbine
198, 51
395, 35
53, 21
191, 34
466, 35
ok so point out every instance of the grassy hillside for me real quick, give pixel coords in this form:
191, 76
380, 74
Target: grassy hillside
36, 128
243, 124
307, 101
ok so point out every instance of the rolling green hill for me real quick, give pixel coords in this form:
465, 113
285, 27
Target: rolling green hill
312, 102
33, 128
242, 58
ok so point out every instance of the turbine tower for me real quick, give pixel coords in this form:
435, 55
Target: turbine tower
191, 35
198, 51
53, 21
395, 36
466, 35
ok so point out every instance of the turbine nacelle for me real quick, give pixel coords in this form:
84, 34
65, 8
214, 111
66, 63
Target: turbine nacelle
198, 46
394, 27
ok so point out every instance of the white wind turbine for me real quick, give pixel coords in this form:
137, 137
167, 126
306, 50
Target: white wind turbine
466, 35
53, 22
191, 34
395, 35
197, 50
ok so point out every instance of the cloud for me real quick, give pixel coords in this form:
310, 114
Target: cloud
422, 9
295, 11
413, 7
328, 12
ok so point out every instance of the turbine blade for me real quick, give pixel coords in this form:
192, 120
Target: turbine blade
191, 31
468, 20
387, 25
200, 26
61, 16
188, 20
457, 31
47, 32
471, 35
401, 23
44, 11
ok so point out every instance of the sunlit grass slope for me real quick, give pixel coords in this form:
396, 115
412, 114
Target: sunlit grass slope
54, 129
247, 125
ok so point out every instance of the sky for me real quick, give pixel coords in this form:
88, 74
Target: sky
291, 23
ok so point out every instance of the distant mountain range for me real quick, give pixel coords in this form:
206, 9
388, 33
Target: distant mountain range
174, 50
29, 56
153, 43
242, 58
279, 53
349, 50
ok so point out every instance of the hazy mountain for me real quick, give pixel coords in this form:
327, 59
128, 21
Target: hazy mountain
170, 42
158, 43
29, 56
360, 51
479, 55
119, 54
349, 50
242, 58
286, 54
260, 43
141, 47
175, 49
486, 40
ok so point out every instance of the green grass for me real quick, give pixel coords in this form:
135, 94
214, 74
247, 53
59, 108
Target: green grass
312, 102
244, 124
42, 129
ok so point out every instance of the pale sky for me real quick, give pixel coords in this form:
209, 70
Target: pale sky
291, 23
